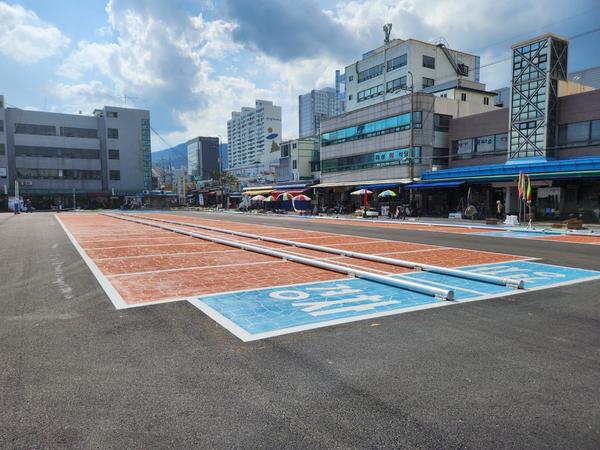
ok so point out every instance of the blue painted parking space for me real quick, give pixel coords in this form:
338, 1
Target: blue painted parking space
263, 313
515, 234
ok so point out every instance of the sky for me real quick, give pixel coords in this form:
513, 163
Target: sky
193, 62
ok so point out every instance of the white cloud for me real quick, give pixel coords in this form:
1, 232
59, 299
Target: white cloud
25, 38
164, 59
188, 69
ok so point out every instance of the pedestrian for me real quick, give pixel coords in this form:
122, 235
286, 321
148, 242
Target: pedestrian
499, 209
17, 206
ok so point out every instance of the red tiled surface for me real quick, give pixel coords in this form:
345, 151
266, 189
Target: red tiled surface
178, 261
573, 238
147, 264
454, 257
137, 242
164, 285
384, 247
146, 250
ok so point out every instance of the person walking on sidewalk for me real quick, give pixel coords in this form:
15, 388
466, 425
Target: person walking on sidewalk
499, 210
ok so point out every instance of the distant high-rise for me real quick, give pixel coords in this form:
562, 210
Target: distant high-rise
253, 137
203, 157
314, 106
340, 92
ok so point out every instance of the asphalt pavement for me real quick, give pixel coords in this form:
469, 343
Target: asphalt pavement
520, 371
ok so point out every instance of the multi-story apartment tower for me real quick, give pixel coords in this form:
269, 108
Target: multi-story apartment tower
313, 107
387, 71
253, 137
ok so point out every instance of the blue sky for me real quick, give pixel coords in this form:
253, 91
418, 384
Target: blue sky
192, 62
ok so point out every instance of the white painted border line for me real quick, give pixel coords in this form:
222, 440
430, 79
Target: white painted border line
108, 288
247, 337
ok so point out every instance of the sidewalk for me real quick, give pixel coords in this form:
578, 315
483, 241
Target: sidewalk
479, 223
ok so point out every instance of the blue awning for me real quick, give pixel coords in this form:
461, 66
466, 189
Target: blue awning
588, 166
448, 184
378, 186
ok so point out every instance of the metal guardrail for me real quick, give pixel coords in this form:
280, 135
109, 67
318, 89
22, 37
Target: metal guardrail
443, 294
502, 281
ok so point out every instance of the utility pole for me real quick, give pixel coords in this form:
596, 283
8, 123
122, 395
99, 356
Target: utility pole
411, 153
221, 179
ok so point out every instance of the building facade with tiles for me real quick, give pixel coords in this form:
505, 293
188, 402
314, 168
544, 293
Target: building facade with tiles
388, 71
54, 157
371, 146
549, 130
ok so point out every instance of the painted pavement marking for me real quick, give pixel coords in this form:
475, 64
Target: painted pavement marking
269, 312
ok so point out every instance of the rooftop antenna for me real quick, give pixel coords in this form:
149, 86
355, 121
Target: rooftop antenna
387, 29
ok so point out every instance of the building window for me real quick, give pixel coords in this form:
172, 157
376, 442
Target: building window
427, 82
351, 77
1, 125
388, 125
294, 164
113, 153
350, 97
115, 175
486, 100
113, 133
375, 91
463, 97
579, 133
372, 72
88, 133
392, 157
396, 85
441, 122
58, 174
595, 131
112, 114
395, 63
480, 146
440, 156
54, 152
30, 128
428, 62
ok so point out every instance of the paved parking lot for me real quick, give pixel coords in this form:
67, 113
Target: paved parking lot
512, 371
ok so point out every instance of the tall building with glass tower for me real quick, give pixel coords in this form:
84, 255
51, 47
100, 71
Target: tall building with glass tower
537, 67
313, 107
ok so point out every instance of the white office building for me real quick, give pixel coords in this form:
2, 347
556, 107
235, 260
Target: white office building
313, 107
253, 137
54, 156
385, 72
